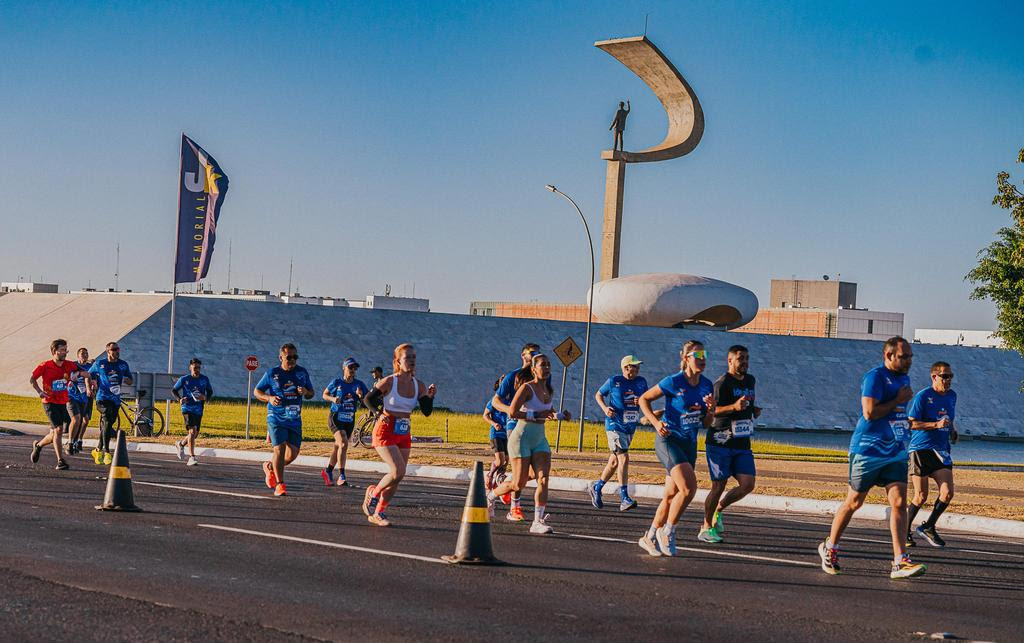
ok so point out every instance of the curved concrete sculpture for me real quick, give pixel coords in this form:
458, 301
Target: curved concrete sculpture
669, 301
685, 117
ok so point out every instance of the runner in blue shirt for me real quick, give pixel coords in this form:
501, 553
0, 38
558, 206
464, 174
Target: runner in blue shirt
109, 372
878, 458
498, 437
345, 394
689, 405
80, 401
932, 413
193, 391
507, 385
283, 388
619, 399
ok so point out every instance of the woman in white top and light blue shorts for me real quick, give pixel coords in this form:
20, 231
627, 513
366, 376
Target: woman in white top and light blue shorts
527, 444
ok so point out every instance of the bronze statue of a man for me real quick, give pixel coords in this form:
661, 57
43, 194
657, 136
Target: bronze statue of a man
619, 124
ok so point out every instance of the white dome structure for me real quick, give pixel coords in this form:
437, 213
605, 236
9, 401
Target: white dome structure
669, 300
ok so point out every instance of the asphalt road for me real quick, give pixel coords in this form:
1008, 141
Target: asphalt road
178, 572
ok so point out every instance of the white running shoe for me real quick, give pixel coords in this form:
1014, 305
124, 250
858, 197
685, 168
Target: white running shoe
181, 450
539, 526
649, 546
192, 462
666, 542
490, 504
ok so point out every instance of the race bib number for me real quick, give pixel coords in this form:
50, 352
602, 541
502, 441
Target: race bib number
402, 426
742, 428
691, 421
115, 389
346, 416
945, 457
900, 429
59, 386
630, 417
292, 411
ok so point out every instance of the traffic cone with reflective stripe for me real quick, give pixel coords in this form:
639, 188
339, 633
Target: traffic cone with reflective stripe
474, 545
119, 481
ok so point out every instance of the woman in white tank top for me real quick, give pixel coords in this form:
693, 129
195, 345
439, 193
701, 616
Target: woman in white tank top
527, 442
392, 439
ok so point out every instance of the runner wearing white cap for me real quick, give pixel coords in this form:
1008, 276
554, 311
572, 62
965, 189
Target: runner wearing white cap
619, 400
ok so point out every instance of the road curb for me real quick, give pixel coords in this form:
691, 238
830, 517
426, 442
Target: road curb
785, 504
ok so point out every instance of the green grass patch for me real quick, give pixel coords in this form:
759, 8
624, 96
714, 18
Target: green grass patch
226, 418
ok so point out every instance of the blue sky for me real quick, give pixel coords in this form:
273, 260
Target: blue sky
409, 143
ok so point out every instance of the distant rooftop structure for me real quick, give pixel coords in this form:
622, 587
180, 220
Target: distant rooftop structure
26, 286
378, 302
812, 293
950, 337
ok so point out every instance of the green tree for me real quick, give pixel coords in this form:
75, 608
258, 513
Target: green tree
999, 275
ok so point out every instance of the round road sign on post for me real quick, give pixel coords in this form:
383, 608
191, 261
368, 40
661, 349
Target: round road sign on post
252, 363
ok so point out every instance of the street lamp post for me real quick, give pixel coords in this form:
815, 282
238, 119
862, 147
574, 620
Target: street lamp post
590, 311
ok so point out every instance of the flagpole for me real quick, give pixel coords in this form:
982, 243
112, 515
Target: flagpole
174, 276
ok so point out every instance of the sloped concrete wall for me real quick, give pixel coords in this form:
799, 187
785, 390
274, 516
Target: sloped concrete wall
802, 382
30, 321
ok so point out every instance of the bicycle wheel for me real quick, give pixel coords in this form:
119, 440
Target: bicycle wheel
363, 435
149, 422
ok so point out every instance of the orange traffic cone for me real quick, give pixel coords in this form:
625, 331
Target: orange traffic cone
474, 544
119, 481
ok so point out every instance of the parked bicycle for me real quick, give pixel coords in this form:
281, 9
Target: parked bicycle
362, 434
145, 420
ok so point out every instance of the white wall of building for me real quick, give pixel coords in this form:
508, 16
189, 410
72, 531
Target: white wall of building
868, 324
952, 337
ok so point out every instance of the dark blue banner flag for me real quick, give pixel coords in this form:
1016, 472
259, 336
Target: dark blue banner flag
201, 190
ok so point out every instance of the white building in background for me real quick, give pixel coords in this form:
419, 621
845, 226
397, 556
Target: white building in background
26, 286
858, 323
950, 337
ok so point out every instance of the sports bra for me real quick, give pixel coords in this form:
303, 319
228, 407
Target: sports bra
535, 403
395, 403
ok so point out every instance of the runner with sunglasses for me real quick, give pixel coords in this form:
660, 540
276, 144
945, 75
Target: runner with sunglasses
283, 388
110, 373
345, 394
689, 405
931, 413
400, 392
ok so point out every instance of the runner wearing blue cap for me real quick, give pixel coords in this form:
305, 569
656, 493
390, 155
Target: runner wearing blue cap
345, 394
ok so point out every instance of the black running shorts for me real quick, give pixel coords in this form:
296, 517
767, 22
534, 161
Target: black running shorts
926, 462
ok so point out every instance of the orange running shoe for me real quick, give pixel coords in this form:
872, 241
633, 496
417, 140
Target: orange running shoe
515, 514
280, 490
268, 472
506, 498
379, 519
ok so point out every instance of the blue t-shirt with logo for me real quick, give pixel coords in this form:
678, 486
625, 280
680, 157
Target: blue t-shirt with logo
284, 384
188, 388
351, 394
500, 419
885, 437
506, 391
930, 406
684, 404
623, 396
77, 390
110, 376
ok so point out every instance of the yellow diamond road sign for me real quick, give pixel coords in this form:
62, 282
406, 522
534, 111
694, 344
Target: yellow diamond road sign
568, 351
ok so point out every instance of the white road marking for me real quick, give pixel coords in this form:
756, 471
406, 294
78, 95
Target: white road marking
215, 491
730, 554
324, 543
987, 553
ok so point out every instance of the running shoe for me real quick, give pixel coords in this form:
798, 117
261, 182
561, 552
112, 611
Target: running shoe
910, 540
107, 458
369, 502
328, 476
489, 480
506, 498
280, 490
379, 519
540, 526
666, 542
61, 465
342, 481
627, 503
906, 568
78, 446
932, 536
181, 450
71, 448
829, 559
709, 536
97, 456
36, 449
716, 523
515, 514
191, 461
649, 545
269, 477
595, 495
491, 500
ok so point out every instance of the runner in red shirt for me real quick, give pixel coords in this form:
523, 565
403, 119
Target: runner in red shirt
55, 374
